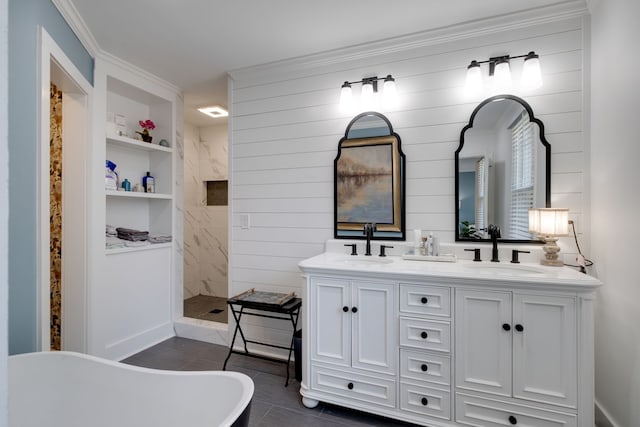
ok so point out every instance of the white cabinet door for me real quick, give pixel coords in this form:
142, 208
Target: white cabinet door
373, 318
483, 341
330, 320
544, 349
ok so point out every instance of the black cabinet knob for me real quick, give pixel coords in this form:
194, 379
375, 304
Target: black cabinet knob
424, 367
354, 309
345, 308
424, 300
350, 386
512, 420
424, 335
519, 328
506, 326
424, 401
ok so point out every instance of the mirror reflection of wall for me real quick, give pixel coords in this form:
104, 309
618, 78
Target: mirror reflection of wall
503, 163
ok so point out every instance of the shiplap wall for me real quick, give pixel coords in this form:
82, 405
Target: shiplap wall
285, 127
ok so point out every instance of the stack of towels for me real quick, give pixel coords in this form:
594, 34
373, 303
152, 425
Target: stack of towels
112, 238
132, 235
121, 237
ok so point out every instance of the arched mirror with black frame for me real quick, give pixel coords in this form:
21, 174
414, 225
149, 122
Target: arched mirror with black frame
369, 180
502, 168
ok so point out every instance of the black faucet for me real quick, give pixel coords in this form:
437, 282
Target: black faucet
494, 232
369, 228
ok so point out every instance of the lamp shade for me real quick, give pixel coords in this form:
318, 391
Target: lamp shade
549, 221
502, 75
389, 93
346, 97
366, 97
474, 78
531, 75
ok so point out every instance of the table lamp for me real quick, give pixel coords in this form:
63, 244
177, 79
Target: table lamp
549, 224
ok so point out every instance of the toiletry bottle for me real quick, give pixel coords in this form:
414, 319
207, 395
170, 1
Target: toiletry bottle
436, 246
148, 183
417, 241
126, 185
111, 176
429, 245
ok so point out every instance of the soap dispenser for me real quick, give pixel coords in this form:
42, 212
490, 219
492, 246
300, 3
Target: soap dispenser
148, 183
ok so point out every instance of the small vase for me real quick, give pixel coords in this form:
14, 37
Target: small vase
145, 135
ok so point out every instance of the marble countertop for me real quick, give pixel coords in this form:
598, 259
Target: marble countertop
461, 272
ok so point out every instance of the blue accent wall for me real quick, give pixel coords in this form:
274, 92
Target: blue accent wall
25, 17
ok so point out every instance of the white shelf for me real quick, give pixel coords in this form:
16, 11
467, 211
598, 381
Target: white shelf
138, 248
138, 195
125, 141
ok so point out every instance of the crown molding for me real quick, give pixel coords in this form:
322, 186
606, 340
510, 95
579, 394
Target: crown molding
466, 30
152, 78
78, 26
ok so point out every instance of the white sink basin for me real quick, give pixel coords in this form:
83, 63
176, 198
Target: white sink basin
366, 261
505, 269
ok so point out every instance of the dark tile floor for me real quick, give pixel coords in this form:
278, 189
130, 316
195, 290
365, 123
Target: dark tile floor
206, 307
273, 404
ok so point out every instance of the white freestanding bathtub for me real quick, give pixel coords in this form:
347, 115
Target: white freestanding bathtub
66, 389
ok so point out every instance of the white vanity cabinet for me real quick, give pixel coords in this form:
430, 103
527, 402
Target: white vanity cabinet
354, 337
523, 345
449, 345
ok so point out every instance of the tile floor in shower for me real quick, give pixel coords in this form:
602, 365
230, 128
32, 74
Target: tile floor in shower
206, 307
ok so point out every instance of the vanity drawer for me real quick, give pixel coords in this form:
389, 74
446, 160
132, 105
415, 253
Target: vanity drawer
475, 411
425, 401
425, 334
429, 300
423, 366
354, 386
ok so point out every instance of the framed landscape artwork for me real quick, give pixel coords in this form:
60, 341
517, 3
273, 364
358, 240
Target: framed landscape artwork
368, 184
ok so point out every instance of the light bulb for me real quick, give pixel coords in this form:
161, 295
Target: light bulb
502, 75
531, 75
346, 98
473, 85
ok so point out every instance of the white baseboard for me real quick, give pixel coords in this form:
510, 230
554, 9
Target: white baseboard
603, 419
202, 330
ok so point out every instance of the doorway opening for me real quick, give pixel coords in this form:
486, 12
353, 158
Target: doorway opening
65, 115
206, 223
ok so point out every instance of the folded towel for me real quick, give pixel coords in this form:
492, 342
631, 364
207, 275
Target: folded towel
136, 244
131, 231
114, 242
111, 230
131, 234
159, 239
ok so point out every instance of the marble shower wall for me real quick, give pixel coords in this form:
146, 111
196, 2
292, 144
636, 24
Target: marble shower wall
205, 227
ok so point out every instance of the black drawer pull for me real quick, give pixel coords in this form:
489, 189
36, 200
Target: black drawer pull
424, 300
424, 401
350, 386
354, 309
512, 420
345, 308
519, 328
424, 367
506, 326
424, 335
